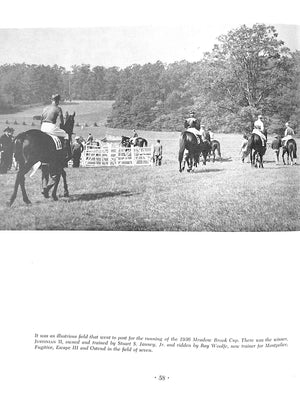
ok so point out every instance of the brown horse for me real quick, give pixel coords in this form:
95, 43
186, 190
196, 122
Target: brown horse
188, 141
36, 146
215, 146
257, 150
127, 142
290, 149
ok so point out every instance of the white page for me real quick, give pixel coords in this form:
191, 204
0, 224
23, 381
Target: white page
174, 284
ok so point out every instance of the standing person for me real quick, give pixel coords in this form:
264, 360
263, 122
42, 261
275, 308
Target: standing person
259, 129
89, 140
50, 115
244, 148
6, 148
11, 148
275, 145
77, 149
288, 134
157, 153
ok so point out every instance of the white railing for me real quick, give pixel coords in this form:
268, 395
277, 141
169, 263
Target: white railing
110, 155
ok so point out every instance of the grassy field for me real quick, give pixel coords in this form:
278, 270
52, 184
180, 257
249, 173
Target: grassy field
86, 112
223, 196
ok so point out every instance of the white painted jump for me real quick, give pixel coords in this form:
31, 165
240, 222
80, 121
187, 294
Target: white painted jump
111, 155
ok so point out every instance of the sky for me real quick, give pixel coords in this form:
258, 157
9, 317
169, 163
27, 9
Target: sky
119, 45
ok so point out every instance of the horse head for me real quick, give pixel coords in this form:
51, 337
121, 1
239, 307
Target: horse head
69, 124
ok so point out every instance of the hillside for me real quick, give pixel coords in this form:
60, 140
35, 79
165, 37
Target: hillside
86, 112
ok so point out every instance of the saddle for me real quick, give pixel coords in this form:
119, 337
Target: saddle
58, 142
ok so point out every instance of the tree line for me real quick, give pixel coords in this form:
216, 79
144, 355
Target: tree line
248, 72
23, 84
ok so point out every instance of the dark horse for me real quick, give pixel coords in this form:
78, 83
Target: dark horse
291, 149
127, 142
257, 150
215, 146
188, 141
36, 146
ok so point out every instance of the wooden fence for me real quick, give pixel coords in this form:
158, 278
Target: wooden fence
111, 155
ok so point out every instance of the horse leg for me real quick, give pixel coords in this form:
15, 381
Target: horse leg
64, 176
180, 157
190, 162
219, 152
56, 182
295, 154
283, 153
20, 180
251, 157
204, 154
45, 179
15, 192
261, 164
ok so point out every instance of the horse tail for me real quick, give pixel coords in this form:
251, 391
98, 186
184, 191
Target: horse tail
18, 147
295, 151
250, 143
219, 149
182, 141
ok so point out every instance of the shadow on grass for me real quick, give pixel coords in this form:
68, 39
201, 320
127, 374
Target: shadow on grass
204, 170
220, 160
99, 196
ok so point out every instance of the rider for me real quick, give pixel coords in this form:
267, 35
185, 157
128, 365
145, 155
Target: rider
192, 124
133, 139
49, 125
259, 129
288, 134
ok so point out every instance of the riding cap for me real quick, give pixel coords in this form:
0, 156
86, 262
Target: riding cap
260, 116
192, 112
77, 137
55, 97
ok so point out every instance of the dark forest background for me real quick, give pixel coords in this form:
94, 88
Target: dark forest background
249, 71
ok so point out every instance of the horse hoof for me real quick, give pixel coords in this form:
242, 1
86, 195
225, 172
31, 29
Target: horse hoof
9, 203
66, 195
55, 198
45, 193
27, 202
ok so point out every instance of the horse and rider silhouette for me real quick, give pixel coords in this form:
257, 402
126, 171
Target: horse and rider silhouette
128, 142
35, 146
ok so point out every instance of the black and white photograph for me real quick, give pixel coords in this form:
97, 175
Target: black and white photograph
150, 128
172, 129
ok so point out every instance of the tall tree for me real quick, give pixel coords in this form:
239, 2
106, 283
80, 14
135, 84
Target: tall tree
243, 72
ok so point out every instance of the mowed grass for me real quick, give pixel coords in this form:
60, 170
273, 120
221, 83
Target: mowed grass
222, 196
